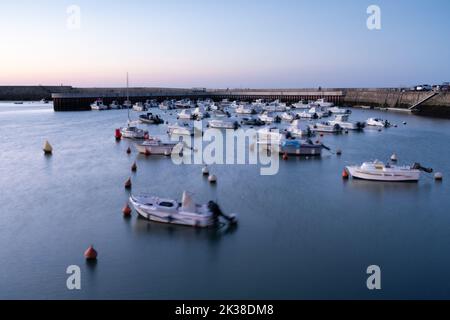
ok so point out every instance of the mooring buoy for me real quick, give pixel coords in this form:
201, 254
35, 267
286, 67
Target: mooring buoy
127, 210
91, 253
128, 184
48, 149
212, 179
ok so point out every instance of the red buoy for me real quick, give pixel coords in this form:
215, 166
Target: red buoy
345, 174
128, 150
126, 211
134, 167
118, 135
285, 156
128, 184
90, 253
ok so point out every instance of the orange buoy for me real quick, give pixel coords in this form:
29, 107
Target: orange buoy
128, 184
129, 150
134, 167
345, 174
91, 253
126, 211
118, 135
285, 156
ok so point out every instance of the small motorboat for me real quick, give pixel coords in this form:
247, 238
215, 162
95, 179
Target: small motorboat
267, 117
343, 122
127, 104
326, 127
337, 110
252, 121
115, 105
200, 113
302, 106
224, 124
154, 146
295, 130
44, 101
186, 213
98, 106
139, 107
288, 117
375, 122
150, 118
307, 115
183, 129
151, 104
133, 132
245, 109
378, 171
185, 114
321, 112
270, 135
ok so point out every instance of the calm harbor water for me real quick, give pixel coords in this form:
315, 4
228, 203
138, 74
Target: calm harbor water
303, 233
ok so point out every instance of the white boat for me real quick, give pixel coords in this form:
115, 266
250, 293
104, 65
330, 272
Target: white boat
183, 129
127, 104
115, 105
183, 104
307, 115
343, 122
186, 213
270, 135
200, 112
154, 146
185, 114
302, 106
375, 122
275, 106
267, 117
245, 109
224, 124
98, 106
133, 132
295, 130
378, 171
151, 118
337, 110
139, 107
321, 111
287, 116
167, 105
326, 127
323, 103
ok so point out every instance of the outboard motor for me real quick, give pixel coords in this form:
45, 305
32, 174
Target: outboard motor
217, 212
417, 166
360, 125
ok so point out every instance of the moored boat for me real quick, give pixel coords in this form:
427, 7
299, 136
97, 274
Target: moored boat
378, 171
150, 118
186, 213
98, 105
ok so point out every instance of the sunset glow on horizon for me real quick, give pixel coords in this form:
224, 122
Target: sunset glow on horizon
223, 43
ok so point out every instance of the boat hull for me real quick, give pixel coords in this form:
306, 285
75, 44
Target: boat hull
379, 175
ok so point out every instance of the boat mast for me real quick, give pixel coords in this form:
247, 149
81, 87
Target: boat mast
128, 100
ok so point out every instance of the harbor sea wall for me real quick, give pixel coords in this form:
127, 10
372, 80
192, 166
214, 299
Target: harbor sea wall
31, 93
438, 105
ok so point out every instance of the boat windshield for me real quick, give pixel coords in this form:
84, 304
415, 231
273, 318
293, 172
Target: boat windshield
166, 204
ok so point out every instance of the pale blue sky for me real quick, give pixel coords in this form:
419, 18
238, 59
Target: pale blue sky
229, 43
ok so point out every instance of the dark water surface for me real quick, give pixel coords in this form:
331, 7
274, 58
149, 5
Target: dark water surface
303, 233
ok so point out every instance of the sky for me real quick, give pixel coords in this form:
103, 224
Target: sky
224, 43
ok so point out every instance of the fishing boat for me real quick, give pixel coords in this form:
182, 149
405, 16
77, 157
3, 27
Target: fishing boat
224, 124
337, 110
115, 105
343, 122
154, 146
375, 122
186, 213
150, 118
326, 127
139, 107
298, 147
378, 171
98, 105
183, 129
133, 132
